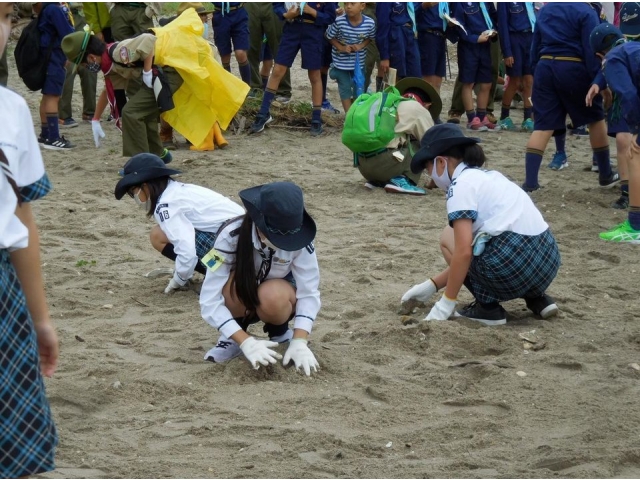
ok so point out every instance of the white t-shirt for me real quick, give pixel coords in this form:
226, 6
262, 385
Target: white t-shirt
494, 203
184, 208
20, 146
302, 264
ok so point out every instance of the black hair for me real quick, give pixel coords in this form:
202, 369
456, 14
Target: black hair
156, 187
473, 155
94, 47
244, 281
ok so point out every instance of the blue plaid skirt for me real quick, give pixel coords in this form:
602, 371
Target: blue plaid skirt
514, 266
204, 243
28, 435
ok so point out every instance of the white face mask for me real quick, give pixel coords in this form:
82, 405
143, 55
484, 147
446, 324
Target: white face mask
444, 181
144, 205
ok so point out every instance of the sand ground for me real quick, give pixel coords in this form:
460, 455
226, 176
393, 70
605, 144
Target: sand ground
133, 398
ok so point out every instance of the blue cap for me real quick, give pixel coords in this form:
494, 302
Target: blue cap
603, 37
630, 19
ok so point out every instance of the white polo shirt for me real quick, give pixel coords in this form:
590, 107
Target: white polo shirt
302, 264
494, 203
20, 146
184, 208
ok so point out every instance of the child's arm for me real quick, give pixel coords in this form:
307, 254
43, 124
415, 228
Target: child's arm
503, 34
338, 46
326, 16
60, 22
383, 10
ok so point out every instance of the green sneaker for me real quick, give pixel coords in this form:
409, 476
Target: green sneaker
622, 233
527, 125
507, 124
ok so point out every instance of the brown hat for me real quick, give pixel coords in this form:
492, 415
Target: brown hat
197, 6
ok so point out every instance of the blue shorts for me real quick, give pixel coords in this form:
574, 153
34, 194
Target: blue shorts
265, 53
305, 37
346, 86
326, 54
521, 49
474, 62
433, 59
232, 27
616, 122
56, 74
559, 89
403, 52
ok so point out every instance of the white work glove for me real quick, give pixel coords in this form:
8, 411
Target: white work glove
421, 292
442, 310
147, 78
258, 352
173, 285
301, 355
98, 133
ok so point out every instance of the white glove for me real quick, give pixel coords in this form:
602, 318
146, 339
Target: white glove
258, 352
147, 78
98, 133
443, 309
301, 355
173, 285
421, 292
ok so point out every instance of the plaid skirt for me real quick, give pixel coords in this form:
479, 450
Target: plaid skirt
28, 435
514, 266
204, 243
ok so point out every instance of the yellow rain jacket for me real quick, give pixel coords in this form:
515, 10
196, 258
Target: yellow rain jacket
209, 93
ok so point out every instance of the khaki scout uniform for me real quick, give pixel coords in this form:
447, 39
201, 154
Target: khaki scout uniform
129, 19
140, 114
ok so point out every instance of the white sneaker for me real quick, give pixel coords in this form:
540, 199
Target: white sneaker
225, 350
284, 338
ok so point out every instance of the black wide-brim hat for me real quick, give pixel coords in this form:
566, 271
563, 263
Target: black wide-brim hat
433, 96
437, 140
277, 209
141, 168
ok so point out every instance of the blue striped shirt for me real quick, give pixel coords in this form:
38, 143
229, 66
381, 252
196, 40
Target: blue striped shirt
348, 34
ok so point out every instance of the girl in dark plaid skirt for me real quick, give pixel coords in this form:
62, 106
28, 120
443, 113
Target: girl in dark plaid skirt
497, 244
188, 216
28, 341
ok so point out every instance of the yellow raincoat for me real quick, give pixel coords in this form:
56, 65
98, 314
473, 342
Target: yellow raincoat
209, 93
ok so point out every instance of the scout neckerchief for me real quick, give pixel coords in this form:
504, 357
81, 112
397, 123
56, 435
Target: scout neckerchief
531, 13
4, 166
225, 6
485, 13
443, 9
412, 14
265, 266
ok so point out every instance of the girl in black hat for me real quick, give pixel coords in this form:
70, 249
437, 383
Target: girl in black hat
264, 268
497, 244
188, 216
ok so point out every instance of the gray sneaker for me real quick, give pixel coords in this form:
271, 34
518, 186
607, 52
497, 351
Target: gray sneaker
225, 350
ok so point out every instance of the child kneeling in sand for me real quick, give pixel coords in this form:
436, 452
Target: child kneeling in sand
497, 244
188, 217
264, 268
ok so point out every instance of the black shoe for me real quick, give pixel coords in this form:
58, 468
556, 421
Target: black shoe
41, 139
316, 129
543, 306
611, 181
622, 203
59, 144
260, 123
529, 189
475, 311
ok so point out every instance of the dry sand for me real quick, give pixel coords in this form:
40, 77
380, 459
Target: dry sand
133, 398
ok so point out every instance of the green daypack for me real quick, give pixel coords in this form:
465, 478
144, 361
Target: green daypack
371, 120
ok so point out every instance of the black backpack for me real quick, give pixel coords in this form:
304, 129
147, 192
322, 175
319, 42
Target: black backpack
32, 63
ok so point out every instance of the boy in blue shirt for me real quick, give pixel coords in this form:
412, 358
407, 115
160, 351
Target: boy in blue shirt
230, 23
350, 33
432, 43
55, 22
303, 31
516, 22
564, 64
396, 39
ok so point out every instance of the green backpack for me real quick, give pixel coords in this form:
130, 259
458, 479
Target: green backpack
371, 120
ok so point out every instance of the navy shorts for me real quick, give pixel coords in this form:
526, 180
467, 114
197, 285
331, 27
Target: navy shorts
305, 37
232, 27
474, 62
327, 59
521, 49
559, 89
265, 53
514, 266
404, 55
56, 74
615, 121
433, 58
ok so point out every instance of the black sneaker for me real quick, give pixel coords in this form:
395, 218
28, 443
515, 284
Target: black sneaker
611, 181
260, 123
41, 139
543, 306
491, 317
59, 144
529, 189
316, 129
622, 203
